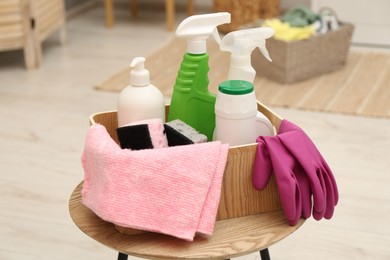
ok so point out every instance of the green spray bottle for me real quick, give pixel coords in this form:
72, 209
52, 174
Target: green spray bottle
191, 101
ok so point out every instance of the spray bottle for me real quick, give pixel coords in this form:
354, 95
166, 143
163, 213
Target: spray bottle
140, 100
191, 101
241, 44
237, 120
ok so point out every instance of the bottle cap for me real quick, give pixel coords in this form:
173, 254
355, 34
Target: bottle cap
139, 76
236, 87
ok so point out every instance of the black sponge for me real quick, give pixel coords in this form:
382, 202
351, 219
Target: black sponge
134, 137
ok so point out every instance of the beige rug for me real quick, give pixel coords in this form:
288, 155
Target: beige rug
362, 87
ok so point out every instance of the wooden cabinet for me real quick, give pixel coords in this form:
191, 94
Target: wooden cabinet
25, 24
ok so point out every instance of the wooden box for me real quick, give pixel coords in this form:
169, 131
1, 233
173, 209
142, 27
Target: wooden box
238, 197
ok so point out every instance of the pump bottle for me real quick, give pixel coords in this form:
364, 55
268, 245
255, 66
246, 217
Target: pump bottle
191, 101
140, 100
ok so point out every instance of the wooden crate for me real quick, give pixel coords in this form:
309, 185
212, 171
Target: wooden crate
238, 197
25, 24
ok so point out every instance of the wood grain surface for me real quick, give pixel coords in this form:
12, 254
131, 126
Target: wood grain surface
231, 238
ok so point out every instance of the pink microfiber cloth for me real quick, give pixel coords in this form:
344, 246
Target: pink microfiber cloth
173, 190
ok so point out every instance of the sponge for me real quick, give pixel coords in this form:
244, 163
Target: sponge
179, 133
145, 134
153, 134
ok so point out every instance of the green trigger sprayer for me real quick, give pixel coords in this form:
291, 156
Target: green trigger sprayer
191, 101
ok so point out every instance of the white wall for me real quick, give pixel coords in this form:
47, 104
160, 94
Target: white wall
371, 19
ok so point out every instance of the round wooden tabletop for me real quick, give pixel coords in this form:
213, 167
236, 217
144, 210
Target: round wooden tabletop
231, 238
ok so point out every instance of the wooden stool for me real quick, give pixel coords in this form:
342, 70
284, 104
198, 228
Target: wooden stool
169, 8
231, 238
247, 220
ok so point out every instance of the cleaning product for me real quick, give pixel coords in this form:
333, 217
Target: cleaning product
236, 113
144, 134
191, 101
140, 100
177, 131
241, 44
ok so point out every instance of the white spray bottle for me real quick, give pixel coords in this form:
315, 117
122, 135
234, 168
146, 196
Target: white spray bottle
237, 120
140, 100
241, 45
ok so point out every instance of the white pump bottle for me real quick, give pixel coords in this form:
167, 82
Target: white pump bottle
241, 44
140, 100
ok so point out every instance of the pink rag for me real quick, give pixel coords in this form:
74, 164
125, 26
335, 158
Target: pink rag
173, 190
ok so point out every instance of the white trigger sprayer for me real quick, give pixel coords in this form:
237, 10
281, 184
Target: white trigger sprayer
241, 44
198, 28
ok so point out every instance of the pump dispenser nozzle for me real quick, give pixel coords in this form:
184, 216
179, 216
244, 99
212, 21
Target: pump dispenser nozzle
139, 76
241, 44
198, 28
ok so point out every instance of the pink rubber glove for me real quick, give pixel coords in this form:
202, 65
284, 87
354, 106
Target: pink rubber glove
293, 186
305, 181
322, 182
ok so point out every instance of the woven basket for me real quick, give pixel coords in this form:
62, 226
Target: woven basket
245, 12
300, 60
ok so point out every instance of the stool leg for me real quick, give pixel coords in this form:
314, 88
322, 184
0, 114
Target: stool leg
264, 254
122, 256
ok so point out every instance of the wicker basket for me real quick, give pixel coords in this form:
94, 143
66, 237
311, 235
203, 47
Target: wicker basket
300, 60
245, 11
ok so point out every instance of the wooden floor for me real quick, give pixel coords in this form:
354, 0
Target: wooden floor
44, 119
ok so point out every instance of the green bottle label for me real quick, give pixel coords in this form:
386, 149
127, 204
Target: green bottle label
191, 101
